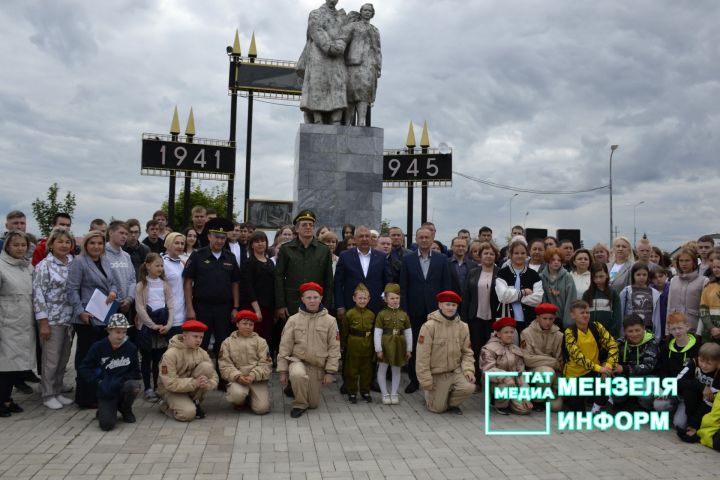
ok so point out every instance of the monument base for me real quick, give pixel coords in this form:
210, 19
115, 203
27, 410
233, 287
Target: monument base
338, 174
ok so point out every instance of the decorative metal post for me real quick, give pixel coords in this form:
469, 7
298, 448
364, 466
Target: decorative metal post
410, 144
190, 132
424, 145
252, 55
234, 53
612, 150
174, 131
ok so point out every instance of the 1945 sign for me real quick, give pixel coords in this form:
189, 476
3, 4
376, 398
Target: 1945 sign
405, 167
190, 157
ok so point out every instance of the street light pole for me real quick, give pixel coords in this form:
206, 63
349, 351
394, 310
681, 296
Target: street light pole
612, 150
635, 221
510, 213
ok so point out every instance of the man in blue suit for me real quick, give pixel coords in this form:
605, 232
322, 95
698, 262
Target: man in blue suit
422, 276
360, 264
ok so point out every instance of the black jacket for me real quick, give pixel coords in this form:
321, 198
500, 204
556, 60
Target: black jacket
109, 369
638, 360
672, 359
470, 295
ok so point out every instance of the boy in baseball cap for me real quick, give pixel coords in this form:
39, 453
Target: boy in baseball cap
112, 365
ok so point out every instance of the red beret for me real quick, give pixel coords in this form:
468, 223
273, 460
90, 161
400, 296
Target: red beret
246, 315
310, 286
546, 308
448, 296
503, 322
194, 326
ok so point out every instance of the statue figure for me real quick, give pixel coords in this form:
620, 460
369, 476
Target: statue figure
364, 62
322, 66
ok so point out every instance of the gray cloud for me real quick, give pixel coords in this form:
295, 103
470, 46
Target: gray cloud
529, 94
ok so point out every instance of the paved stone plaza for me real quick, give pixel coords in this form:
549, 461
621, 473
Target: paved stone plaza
336, 441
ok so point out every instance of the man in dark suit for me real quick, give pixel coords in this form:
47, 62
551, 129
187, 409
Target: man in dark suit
397, 252
422, 276
360, 264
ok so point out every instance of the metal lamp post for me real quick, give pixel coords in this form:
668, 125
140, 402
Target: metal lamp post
612, 150
510, 213
635, 221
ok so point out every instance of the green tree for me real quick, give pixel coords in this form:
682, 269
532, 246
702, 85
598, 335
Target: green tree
45, 210
385, 226
209, 198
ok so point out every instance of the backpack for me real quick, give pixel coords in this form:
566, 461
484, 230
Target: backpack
592, 326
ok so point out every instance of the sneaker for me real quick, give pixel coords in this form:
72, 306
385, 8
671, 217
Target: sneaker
366, 397
352, 398
297, 412
412, 387
53, 403
502, 411
394, 400
386, 399
128, 417
23, 387
67, 388
64, 400
150, 395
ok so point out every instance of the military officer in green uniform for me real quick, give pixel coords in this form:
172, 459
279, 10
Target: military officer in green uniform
301, 260
357, 341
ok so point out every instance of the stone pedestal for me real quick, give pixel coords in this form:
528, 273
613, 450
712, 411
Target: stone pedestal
338, 174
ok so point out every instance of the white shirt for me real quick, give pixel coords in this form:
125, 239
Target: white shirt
173, 274
365, 261
235, 249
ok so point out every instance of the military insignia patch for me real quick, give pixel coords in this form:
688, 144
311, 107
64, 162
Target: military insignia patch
421, 339
164, 369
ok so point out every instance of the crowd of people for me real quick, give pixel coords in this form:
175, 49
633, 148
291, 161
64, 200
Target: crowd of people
218, 306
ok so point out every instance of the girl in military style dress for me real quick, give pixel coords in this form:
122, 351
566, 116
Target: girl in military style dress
393, 343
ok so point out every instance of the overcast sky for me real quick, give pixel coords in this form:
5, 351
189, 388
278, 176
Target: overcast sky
528, 93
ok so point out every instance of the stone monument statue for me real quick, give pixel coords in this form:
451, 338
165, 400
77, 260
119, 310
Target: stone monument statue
363, 59
339, 168
322, 66
340, 65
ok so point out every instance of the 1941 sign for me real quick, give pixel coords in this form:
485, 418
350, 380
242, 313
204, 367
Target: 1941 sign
211, 157
404, 167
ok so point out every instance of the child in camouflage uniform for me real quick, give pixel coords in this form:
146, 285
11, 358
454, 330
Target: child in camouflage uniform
357, 339
393, 343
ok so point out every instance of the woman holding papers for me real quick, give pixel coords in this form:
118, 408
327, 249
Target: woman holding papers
89, 272
17, 332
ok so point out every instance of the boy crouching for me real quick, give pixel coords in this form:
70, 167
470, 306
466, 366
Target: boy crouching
186, 374
112, 364
245, 364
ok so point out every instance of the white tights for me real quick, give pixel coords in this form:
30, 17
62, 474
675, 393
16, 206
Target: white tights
382, 378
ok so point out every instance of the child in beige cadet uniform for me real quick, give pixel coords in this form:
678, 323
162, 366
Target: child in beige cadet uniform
542, 343
244, 362
445, 364
500, 354
309, 350
186, 374
393, 343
